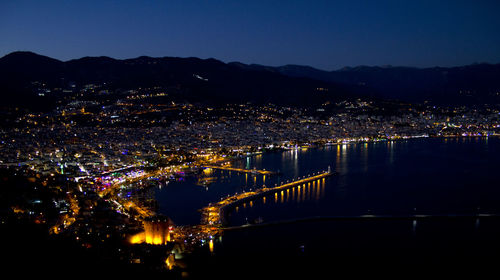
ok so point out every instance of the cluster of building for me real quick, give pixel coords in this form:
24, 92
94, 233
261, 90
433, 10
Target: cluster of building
86, 138
106, 148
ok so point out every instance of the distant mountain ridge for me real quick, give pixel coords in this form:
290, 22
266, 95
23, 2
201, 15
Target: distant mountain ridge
476, 83
213, 81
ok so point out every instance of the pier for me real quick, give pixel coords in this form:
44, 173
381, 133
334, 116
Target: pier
241, 170
215, 214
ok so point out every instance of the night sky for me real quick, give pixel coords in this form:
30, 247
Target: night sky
324, 34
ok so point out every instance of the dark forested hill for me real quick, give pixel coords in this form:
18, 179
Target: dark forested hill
212, 81
471, 84
201, 80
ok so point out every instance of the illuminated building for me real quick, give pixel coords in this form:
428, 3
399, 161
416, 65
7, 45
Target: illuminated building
157, 230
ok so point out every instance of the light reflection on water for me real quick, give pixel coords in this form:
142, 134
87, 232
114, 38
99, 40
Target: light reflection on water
305, 193
385, 177
392, 177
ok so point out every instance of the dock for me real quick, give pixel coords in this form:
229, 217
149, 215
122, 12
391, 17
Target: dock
241, 170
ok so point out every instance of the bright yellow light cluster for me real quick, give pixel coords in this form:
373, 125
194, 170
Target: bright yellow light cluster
138, 238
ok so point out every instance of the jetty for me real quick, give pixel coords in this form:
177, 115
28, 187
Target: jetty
241, 170
215, 214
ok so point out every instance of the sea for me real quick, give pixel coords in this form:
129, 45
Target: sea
414, 205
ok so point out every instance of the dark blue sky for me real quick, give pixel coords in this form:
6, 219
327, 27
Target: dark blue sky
324, 34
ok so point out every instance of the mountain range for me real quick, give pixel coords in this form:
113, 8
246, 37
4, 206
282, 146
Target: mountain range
213, 81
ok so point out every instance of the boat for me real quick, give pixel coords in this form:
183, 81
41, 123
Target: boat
206, 181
